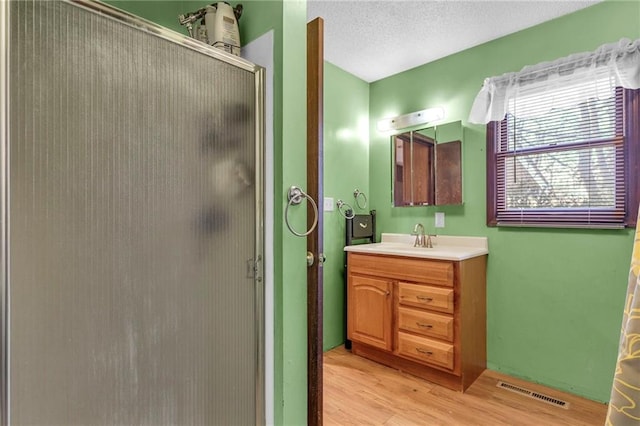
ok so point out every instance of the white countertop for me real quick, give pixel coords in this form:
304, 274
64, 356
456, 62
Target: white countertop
445, 247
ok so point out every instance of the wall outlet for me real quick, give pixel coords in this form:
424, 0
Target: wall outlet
439, 220
328, 204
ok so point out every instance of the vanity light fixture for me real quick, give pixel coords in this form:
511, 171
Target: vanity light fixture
411, 119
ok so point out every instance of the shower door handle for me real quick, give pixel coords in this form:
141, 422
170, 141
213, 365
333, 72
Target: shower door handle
253, 268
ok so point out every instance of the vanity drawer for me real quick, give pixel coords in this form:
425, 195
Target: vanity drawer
425, 296
426, 323
425, 350
436, 272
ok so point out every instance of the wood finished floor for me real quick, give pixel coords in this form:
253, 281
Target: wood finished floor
361, 392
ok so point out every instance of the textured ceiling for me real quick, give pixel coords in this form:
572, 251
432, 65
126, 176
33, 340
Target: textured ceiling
376, 39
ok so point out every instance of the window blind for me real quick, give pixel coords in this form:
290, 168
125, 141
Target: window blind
559, 157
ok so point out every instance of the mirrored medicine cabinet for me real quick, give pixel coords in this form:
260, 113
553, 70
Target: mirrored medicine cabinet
427, 166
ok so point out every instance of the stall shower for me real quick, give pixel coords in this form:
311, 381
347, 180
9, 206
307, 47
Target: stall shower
131, 222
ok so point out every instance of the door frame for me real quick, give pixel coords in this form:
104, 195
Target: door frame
315, 175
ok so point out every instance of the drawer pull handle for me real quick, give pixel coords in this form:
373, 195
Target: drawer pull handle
424, 298
419, 324
424, 351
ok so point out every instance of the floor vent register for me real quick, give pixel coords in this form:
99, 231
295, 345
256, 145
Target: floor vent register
533, 394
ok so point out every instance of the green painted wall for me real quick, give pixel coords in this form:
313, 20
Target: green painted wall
292, 260
288, 20
162, 12
555, 297
346, 156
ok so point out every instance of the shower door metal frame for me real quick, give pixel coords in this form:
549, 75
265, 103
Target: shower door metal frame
187, 42
4, 228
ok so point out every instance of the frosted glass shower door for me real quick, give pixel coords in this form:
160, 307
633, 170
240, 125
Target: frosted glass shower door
134, 225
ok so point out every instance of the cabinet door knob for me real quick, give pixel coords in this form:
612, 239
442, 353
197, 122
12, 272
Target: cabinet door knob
388, 292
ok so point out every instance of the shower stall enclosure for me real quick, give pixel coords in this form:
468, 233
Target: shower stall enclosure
132, 222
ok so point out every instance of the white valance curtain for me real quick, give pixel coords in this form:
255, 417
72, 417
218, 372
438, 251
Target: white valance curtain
618, 62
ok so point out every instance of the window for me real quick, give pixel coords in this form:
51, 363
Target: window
566, 156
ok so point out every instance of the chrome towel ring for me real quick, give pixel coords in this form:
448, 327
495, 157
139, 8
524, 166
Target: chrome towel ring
357, 194
295, 196
346, 212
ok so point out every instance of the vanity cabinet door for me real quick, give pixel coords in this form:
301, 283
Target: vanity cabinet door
369, 311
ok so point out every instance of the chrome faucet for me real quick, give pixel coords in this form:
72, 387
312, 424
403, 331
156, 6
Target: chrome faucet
418, 231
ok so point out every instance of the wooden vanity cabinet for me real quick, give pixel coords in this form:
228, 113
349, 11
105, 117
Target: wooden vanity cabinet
423, 316
369, 319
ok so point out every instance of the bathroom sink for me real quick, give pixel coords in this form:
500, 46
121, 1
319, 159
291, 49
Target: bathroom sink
444, 247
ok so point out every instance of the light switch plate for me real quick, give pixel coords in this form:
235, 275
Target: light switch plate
328, 204
439, 220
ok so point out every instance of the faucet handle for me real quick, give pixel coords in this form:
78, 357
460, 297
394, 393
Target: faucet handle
429, 242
